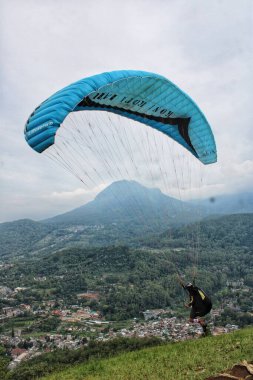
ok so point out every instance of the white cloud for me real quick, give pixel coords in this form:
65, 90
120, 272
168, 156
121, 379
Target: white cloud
76, 193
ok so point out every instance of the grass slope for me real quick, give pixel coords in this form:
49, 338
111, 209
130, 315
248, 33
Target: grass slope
195, 359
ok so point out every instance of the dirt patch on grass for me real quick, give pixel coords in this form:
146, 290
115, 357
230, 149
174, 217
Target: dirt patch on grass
242, 371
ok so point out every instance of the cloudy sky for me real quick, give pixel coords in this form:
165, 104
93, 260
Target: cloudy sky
205, 47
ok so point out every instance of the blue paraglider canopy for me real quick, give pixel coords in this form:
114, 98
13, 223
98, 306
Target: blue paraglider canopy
145, 97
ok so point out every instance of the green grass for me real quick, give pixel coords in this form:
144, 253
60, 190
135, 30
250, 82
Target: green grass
195, 359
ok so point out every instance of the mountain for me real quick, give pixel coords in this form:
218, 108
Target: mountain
124, 213
128, 202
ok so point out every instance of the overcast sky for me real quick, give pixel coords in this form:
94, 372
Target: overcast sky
205, 47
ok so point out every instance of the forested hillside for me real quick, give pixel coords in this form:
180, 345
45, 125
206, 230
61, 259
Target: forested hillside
19, 237
225, 231
131, 280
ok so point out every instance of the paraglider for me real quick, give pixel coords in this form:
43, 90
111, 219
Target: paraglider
145, 97
150, 100
200, 304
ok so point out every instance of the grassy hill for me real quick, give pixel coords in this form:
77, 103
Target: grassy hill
195, 359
